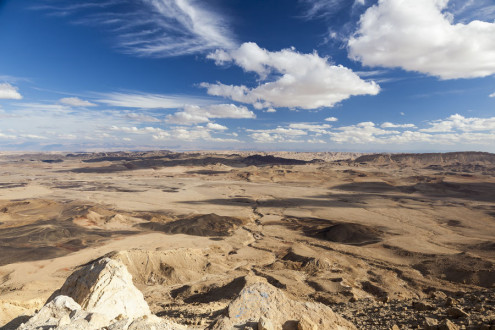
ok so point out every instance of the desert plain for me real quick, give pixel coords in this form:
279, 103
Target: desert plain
383, 240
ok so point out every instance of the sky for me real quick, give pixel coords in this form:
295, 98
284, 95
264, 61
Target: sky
296, 75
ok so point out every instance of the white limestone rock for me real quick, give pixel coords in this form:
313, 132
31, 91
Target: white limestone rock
262, 300
98, 295
105, 287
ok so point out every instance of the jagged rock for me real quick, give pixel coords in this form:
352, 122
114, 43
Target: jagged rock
451, 302
456, 313
105, 286
98, 295
421, 306
264, 300
306, 324
57, 314
265, 324
447, 325
439, 295
430, 323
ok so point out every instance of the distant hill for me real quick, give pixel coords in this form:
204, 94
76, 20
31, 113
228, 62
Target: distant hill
449, 158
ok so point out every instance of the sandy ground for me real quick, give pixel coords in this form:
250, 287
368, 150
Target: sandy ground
190, 226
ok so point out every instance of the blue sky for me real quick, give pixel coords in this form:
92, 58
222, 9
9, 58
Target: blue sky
304, 75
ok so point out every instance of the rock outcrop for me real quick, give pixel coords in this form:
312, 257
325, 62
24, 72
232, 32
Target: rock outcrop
261, 301
100, 294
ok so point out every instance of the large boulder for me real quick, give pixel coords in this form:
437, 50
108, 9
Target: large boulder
105, 287
99, 295
261, 301
64, 313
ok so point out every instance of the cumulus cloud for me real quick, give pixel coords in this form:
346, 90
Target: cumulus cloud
153, 28
453, 130
194, 114
136, 130
279, 134
365, 132
460, 123
392, 125
290, 79
293, 133
216, 127
331, 119
492, 95
76, 102
321, 129
7, 91
190, 134
420, 36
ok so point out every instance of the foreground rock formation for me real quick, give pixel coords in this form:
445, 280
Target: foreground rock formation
96, 296
102, 295
268, 307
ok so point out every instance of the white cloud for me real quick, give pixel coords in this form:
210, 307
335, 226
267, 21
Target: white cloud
150, 101
136, 130
216, 127
304, 81
325, 8
43, 107
321, 129
491, 95
279, 134
391, 125
292, 133
7, 136
190, 134
452, 131
7, 91
229, 111
331, 119
193, 114
419, 36
154, 28
460, 123
271, 110
365, 132
470, 10
76, 102
139, 117
33, 137
188, 117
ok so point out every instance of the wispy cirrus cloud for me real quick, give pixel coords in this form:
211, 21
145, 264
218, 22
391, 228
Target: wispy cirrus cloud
151, 101
152, 28
466, 11
326, 8
76, 102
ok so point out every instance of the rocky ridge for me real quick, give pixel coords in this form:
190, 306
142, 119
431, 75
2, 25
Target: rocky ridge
101, 295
